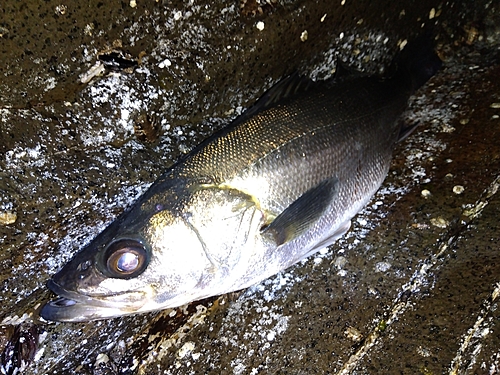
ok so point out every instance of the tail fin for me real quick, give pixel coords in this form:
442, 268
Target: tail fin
419, 60
416, 64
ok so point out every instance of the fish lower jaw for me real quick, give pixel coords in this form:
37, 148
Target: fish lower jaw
72, 306
66, 310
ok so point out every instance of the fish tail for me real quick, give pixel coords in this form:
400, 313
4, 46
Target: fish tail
415, 65
419, 61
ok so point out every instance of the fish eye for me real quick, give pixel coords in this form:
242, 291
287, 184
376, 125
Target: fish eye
126, 258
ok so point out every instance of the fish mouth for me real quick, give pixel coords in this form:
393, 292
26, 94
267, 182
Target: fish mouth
71, 306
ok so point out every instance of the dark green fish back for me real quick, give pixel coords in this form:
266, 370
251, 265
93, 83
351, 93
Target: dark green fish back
305, 139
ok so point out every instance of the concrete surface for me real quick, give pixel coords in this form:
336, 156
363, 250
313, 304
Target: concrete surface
411, 289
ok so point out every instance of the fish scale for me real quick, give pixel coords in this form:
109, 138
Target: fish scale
273, 142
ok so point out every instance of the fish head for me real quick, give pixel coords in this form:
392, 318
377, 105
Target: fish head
158, 256
130, 268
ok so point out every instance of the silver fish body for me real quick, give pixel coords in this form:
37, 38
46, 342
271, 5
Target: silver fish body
278, 184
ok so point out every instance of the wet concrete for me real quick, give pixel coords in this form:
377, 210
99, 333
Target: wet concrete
411, 289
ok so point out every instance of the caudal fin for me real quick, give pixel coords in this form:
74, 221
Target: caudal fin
416, 64
419, 60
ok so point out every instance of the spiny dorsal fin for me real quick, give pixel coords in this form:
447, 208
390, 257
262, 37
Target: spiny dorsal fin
342, 70
284, 89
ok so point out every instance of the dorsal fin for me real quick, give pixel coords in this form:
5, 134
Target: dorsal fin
284, 89
406, 129
342, 70
287, 88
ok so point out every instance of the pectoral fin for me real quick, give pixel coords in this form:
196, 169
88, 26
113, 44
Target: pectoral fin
303, 213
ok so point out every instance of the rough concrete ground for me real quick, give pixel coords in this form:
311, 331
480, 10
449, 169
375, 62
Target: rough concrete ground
411, 289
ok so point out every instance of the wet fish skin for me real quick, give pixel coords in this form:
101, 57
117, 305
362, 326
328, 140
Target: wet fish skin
278, 184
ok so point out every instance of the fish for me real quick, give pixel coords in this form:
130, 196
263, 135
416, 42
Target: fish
279, 183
